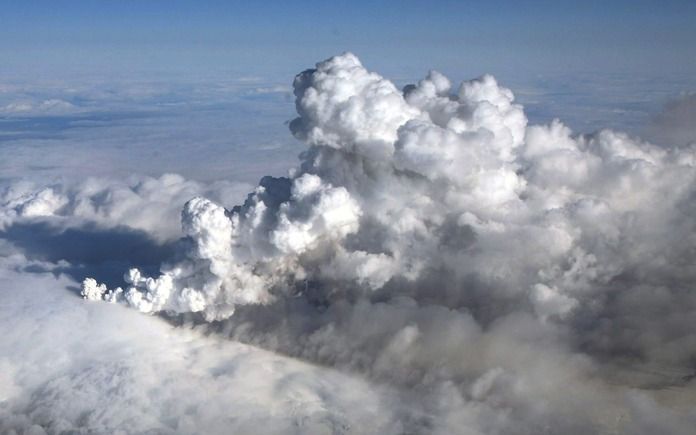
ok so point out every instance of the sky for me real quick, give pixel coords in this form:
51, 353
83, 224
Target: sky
276, 38
348, 217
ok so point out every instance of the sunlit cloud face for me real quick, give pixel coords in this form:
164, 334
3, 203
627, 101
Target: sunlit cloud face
434, 264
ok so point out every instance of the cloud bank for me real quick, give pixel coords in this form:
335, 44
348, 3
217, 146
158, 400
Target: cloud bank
494, 276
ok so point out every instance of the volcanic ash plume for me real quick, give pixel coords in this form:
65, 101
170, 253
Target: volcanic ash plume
448, 198
397, 185
516, 278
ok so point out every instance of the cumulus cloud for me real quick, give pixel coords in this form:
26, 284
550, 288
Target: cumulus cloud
143, 203
495, 276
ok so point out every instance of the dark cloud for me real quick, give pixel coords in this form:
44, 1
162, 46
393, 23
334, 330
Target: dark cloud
676, 124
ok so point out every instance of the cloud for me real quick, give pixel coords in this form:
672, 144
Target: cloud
204, 128
102, 368
277, 89
675, 124
469, 272
143, 203
46, 107
101, 226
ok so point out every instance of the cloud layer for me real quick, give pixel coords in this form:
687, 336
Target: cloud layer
495, 276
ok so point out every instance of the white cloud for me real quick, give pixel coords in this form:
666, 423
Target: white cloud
103, 368
494, 277
50, 106
143, 203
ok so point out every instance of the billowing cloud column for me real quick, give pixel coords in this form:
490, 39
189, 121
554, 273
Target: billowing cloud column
441, 196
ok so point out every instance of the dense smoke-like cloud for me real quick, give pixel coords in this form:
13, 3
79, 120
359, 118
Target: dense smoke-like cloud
500, 277
676, 124
395, 186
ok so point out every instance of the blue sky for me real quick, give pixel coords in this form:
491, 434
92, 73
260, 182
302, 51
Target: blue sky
277, 37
